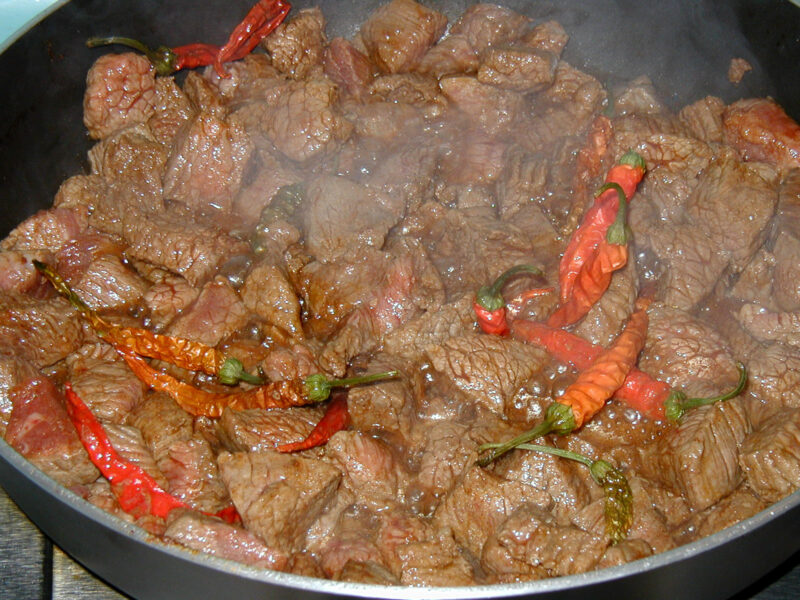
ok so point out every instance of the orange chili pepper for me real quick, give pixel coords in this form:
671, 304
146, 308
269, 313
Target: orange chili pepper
489, 305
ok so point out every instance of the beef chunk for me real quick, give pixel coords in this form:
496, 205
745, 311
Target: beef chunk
490, 370
704, 119
786, 272
303, 121
259, 430
770, 458
625, 552
120, 91
133, 154
385, 406
14, 370
216, 314
41, 431
128, 441
279, 495
46, 230
162, 423
606, 318
347, 67
272, 173
492, 110
172, 110
366, 572
168, 298
772, 373
18, 275
531, 543
767, 325
212, 536
741, 504
520, 68
45, 331
74, 258
699, 458
761, 131
207, 163
190, 469
445, 449
452, 55
109, 284
487, 25
253, 79
549, 36
107, 387
398, 34
267, 293
480, 502
296, 46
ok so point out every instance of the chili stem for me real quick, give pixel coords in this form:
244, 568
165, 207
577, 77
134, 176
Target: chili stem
502, 448
489, 296
677, 403
318, 387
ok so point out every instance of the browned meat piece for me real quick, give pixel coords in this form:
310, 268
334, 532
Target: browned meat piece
81, 193
366, 572
162, 423
272, 173
480, 502
638, 97
487, 25
128, 442
213, 536
296, 46
733, 204
519, 68
108, 387
216, 314
279, 496
704, 119
289, 362
398, 34
267, 293
699, 458
303, 563
258, 430
109, 284
41, 431
253, 79
167, 299
342, 215
446, 449
475, 159
492, 110
347, 67
773, 373
368, 468
407, 174
386, 406
761, 131
120, 91
17, 274
490, 370
304, 121
737, 69
14, 370
532, 543
431, 328
172, 110
625, 552
415, 89
549, 36
786, 273
766, 325
46, 230
754, 283
99, 493
741, 504
190, 468
351, 540
43, 331
76, 255
770, 457
207, 162
132, 153
687, 353
452, 55
390, 124
204, 96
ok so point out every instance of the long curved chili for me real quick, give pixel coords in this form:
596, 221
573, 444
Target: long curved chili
590, 391
336, 418
137, 491
275, 394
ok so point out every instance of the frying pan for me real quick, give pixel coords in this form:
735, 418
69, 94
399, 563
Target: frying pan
685, 48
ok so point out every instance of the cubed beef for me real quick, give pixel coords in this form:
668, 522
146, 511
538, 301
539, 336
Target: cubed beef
487, 25
129, 443
770, 458
120, 91
347, 67
772, 373
487, 107
452, 55
626, 551
366, 572
767, 325
168, 298
703, 118
786, 273
390, 124
204, 96
490, 370
292, 361
279, 495
549, 36
162, 423
76, 255
212, 536
132, 153
41, 431
272, 172
46, 230
445, 450
45, 331
18, 275
475, 159
738, 506
531, 543
215, 314
385, 406
190, 469
109, 284
253, 79
107, 387
416, 89
518, 67
398, 34
14, 370
761, 131
172, 110
480, 502
207, 163
267, 293
296, 45
258, 430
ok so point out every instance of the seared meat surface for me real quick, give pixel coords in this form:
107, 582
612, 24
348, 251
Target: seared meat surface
332, 207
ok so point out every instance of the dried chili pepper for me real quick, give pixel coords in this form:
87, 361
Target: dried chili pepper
336, 418
490, 308
137, 491
591, 390
621, 183
275, 394
652, 397
619, 497
259, 22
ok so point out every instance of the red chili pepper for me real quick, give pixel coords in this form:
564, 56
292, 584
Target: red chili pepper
584, 241
336, 418
137, 492
166, 61
489, 306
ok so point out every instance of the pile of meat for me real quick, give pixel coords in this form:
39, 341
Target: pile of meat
429, 164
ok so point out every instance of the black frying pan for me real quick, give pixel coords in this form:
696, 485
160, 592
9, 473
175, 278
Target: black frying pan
684, 47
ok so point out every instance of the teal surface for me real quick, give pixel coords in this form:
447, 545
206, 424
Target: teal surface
17, 15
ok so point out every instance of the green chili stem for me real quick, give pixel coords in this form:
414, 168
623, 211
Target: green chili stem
498, 450
123, 41
558, 452
318, 387
618, 231
677, 403
489, 296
